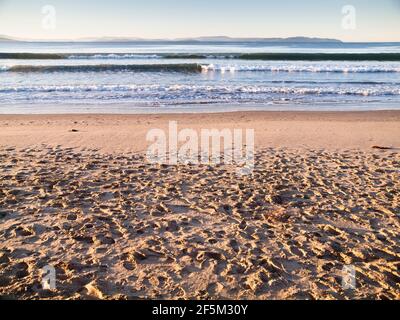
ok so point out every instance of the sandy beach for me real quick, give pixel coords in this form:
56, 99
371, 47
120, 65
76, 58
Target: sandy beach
77, 193
127, 133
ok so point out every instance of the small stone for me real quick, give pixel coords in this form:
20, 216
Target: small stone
381, 148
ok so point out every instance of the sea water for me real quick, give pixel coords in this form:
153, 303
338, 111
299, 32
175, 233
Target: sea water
132, 77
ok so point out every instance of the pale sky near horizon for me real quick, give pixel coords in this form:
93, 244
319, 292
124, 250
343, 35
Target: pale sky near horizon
376, 20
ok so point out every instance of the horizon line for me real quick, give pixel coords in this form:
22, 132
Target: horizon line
194, 38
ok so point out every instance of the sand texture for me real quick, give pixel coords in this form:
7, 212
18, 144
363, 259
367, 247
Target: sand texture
116, 227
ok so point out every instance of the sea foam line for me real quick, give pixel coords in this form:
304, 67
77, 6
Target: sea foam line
262, 56
193, 89
199, 68
299, 68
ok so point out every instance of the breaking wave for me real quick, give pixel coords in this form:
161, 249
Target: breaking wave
105, 68
196, 68
270, 56
195, 89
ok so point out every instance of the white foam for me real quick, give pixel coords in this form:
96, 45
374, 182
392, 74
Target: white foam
303, 68
115, 56
195, 89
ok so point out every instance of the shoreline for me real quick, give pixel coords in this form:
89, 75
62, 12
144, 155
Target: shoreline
125, 108
276, 112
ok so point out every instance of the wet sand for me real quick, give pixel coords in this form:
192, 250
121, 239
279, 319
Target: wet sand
126, 133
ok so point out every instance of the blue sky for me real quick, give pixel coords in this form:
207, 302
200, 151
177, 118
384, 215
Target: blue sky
376, 20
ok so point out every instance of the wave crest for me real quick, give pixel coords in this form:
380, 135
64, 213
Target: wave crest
269, 56
107, 67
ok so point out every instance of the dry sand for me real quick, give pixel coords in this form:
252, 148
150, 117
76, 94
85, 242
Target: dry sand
116, 227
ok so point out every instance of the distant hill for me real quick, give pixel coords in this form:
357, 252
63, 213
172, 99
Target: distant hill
196, 39
110, 39
229, 39
5, 38
217, 39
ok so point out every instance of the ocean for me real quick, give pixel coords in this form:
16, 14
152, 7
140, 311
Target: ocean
162, 77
